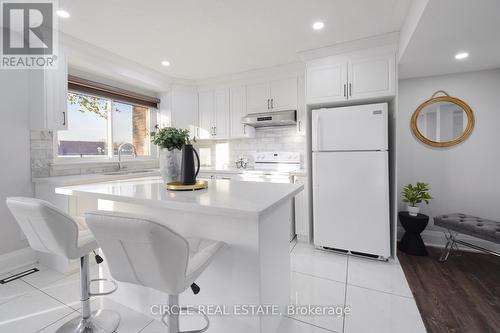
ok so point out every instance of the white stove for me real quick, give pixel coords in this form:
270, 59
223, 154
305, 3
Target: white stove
273, 167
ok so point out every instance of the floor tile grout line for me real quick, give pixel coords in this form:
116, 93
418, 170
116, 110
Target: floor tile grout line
315, 276
142, 329
310, 324
380, 291
52, 323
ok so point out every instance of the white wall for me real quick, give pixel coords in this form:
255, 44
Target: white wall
463, 178
15, 174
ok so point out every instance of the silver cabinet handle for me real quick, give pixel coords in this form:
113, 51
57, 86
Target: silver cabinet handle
215, 130
272, 103
268, 103
64, 118
345, 85
300, 123
350, 89
244, 129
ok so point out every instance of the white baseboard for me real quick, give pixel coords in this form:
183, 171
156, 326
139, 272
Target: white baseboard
436, 238
13, 260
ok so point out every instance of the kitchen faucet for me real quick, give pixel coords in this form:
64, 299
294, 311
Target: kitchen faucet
120, 148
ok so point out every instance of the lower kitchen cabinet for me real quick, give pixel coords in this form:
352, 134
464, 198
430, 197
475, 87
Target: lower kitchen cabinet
302, 210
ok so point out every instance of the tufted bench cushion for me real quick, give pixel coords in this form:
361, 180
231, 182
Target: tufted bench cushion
470, 225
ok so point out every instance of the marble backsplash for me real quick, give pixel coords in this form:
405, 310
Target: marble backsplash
266, 139
42, 160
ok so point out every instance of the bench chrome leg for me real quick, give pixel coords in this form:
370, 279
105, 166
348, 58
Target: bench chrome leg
447, 248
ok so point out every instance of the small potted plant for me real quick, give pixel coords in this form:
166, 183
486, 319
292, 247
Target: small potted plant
415, 194
170, 141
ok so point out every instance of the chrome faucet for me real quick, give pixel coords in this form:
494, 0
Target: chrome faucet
120, 148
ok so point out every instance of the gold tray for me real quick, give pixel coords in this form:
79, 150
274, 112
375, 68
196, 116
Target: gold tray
177, 186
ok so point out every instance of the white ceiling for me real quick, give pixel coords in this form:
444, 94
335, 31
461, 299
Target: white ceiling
208, 38
447, 27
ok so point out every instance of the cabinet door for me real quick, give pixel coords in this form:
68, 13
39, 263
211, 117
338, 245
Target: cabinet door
56, 95
284, 94
206, 111
326, 82
301, 210
221, 114
237, 110
258, 98
372, 77
184, 110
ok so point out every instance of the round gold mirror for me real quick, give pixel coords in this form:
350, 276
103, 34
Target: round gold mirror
442, 121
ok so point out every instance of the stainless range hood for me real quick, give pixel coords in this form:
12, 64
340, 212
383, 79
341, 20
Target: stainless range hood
272, 118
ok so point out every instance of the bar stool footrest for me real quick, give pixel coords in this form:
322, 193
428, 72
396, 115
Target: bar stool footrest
201, 313
104, 293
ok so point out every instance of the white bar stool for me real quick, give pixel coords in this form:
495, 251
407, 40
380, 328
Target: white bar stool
48, 229
142, 251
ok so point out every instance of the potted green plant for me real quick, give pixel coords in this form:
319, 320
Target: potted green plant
170, 141
415, 194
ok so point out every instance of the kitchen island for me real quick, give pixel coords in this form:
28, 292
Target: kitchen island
252, 218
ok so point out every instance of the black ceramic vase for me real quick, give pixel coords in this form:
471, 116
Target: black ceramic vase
188, 173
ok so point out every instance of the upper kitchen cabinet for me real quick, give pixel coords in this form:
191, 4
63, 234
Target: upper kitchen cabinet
258, 97
276, 95
213, 108
184, 108
353, 77
326, 81
237, 110
48, 106
284, 94
371, 77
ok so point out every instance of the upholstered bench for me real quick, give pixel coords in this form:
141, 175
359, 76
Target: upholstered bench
457, 223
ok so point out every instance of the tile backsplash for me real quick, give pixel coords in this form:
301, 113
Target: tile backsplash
266, 139
220, 153
42, 160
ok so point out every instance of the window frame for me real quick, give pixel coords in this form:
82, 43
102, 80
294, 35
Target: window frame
110, 157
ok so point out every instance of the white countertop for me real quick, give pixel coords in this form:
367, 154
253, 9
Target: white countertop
222, 197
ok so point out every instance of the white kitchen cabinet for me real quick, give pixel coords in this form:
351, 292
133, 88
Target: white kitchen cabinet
213, 108
302, 223
276, 95
221, 114
49, 96
237, 110
326, 82
353, 77
371, 77
284, 94
258, 98
184, 108
206, 111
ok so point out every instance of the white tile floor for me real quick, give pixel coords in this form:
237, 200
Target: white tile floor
376, 292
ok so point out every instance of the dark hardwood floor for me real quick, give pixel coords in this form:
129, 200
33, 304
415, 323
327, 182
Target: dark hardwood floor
459, 295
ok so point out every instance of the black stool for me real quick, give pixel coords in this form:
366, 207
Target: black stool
412, 243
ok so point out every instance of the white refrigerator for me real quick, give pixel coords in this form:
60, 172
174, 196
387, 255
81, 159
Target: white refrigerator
351, 179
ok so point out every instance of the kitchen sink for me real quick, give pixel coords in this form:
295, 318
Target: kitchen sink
127, 172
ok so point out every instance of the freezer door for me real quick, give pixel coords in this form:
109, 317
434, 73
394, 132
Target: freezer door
361, 127
351, 201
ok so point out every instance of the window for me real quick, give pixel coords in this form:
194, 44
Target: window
97, 126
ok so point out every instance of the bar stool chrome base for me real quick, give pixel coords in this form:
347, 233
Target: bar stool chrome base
101, 321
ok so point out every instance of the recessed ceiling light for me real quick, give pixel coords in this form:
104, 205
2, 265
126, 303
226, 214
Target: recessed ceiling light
318, 25
62, 13
461, 55
165, 63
